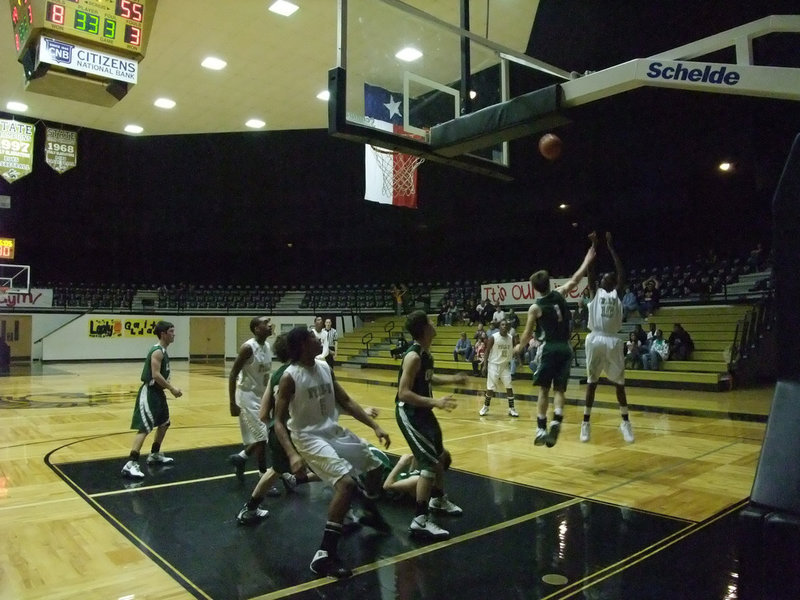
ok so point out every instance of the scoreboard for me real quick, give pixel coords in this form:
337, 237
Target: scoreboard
116, 26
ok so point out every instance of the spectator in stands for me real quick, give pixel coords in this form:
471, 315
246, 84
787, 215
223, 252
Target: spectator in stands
463, 348
494, 327
480, 333
479, 316
756, 257
512, 318
478, 356
333, 342
633, 352
581, 317
680, 343
651, 334
533, 353
488, 310
398, 291
641, 336
630, 303
451, 313
650, 297
499, 314
656, 353
442, 314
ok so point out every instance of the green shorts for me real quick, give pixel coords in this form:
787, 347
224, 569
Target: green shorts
280, 462
554, 367
151, 409
422, 432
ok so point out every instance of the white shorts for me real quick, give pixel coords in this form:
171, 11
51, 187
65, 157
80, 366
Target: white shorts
335, 453
496, 374
253, 429
605, 353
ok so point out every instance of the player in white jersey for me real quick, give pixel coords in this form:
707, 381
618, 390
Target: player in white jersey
247, 383
306, 423
321, 334
604, 348
497, 368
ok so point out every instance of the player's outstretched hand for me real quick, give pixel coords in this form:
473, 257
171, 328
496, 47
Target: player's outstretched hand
593, 238
608, 238
177, 392
446, 403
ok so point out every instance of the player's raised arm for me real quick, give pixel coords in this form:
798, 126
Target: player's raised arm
572, 282
621, 279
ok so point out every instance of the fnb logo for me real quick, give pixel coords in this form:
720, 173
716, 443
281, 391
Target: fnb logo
721, 76
61, 52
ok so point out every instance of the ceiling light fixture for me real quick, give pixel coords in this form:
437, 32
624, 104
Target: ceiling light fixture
283, 8
213, 63
255, 123
725, 166
324, 95
164, 103
16, 106
134, 129
409, 54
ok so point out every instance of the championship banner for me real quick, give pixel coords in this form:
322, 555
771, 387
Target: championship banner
522, 292
60, 149
16, 149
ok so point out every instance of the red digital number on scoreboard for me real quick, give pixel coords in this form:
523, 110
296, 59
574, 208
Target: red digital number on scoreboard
129, 10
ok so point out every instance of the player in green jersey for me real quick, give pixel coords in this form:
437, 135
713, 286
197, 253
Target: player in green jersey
551, 315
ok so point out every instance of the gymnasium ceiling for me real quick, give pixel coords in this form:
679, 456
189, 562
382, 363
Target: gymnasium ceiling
277, 65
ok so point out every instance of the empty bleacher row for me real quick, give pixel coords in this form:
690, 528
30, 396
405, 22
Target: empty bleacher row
723, 281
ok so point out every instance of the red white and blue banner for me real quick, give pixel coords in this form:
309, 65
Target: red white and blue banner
385, 108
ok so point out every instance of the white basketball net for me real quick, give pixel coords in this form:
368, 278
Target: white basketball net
398, 171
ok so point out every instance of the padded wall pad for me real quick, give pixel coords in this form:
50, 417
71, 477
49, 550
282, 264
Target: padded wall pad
518, 117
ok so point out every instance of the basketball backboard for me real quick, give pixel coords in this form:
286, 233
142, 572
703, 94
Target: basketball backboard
403, 71
15, 278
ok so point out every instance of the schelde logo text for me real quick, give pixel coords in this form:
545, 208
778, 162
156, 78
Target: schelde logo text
708, 74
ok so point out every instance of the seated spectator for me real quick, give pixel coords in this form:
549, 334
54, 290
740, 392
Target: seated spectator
480, 333
499, 314
400, 348
580, 319
494, 327
513, 319
451, 313
478, 356
442, 314
533, 353
680, 343
650, 297
463, 348
633, 352
488, 311
657, 353
651, 334
629, 303
640, 334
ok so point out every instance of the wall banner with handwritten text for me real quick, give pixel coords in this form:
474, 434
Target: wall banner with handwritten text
114, 328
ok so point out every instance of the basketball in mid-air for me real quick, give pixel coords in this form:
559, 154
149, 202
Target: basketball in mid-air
550, 146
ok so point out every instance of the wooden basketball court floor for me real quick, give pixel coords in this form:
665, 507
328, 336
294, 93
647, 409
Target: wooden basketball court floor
605, 519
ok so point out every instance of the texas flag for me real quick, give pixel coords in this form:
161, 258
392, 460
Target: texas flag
386, 109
